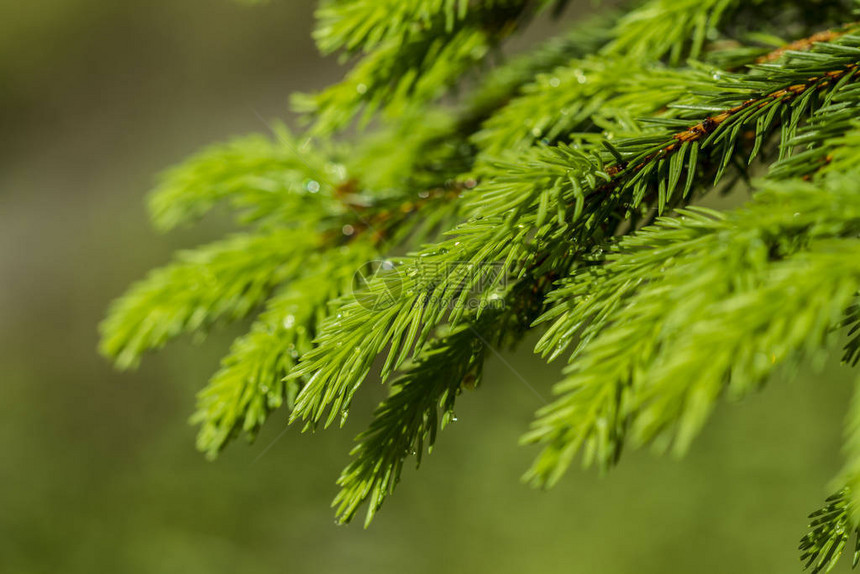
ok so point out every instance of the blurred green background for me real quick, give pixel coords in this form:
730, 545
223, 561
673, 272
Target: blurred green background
98, 471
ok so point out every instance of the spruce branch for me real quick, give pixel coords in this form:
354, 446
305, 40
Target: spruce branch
264, 178
223, 281
831, 528
581, 188
556, 197
513, 78
252, 381
409, 419
830, 135
415, 64
610, 94
673, 28
700, 305
804, 44
364, 25
833, 525
787, 91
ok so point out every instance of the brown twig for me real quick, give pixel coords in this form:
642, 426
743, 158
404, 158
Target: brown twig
379, 222
707, 126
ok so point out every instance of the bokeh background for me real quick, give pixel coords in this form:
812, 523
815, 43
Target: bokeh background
98, 471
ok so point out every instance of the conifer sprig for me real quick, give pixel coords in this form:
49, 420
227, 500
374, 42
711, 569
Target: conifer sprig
252, 381
414, 51
831, 529
577, 186
407, 422
222, 281
555, 197
261, 177
697, 282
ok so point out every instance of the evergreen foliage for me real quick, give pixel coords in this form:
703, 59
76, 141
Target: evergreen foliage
556, 195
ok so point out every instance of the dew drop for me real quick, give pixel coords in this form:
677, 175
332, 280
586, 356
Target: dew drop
555, 82
289, 321
348, 229
361, 88
312, 186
